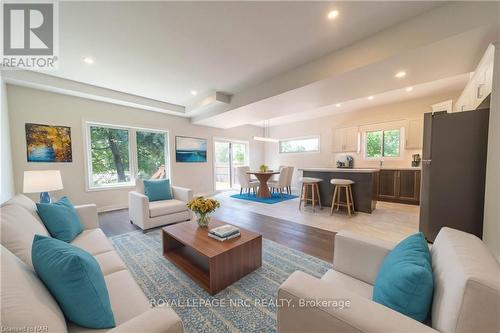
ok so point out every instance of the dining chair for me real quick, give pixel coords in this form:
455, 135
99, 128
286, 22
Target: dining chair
244, 180
281, 184
289, 179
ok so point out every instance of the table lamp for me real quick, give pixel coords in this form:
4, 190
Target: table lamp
42, 181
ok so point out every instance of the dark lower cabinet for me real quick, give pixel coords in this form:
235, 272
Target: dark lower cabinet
401, 186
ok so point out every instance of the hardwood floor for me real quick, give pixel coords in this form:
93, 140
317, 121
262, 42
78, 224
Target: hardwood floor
313, 241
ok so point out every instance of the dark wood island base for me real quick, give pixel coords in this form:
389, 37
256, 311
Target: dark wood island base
364, 189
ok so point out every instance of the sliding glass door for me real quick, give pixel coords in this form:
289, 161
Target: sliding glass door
228, 155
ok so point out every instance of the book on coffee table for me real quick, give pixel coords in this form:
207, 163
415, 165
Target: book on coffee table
222, 239
224, 231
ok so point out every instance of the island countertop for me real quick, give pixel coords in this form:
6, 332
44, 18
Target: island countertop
339, 170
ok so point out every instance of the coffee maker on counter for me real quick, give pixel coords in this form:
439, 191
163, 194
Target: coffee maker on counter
347, 162
416, 160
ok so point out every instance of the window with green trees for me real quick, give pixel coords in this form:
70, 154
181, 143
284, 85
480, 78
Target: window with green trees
117, 155
383, 143
299, 145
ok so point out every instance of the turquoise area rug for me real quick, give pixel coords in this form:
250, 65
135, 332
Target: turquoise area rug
275, 198
245, 306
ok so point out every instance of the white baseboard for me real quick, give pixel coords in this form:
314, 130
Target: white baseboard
111, 208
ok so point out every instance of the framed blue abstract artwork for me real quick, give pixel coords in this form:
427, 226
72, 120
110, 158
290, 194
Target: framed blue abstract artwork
190, 150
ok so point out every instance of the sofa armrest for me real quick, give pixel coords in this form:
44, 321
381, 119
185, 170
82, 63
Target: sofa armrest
351, 313
88, 216
155, 320
182, 193
138, 208
359, 256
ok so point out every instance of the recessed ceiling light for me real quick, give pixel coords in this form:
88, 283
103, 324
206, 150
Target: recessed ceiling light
400, 75
88, 60
408, 89
370, 97
194, 92
338, 105
333, 14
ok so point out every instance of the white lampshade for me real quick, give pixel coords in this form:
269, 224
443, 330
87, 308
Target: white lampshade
42, 181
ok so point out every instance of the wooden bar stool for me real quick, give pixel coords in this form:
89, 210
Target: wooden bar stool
339, 185
311, 185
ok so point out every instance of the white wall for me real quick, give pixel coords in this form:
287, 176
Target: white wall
28, 105
6, 174
323, 126
491, 227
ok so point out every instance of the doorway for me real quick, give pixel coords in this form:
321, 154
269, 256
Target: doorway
228, 155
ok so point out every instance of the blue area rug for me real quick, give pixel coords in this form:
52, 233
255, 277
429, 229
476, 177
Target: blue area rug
162, 281
275, 198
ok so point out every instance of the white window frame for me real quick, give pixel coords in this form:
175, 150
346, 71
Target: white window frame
383, 129
301, 138
132, 152
228, 140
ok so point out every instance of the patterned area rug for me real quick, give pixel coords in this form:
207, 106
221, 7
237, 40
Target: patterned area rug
249, 305
275, 198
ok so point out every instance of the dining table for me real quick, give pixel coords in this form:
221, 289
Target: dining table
263, 177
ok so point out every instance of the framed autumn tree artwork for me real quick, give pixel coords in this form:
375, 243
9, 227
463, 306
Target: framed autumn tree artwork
47, 143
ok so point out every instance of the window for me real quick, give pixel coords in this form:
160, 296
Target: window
116, 155
380, 144
299, 145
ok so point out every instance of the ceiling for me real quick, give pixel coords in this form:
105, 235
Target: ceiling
164, 50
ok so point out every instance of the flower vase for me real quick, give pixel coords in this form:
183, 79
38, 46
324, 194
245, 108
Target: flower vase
203, 220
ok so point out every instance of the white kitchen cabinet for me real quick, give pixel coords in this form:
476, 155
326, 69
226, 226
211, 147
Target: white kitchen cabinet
443, 106
345, 140
480, 84
414, 134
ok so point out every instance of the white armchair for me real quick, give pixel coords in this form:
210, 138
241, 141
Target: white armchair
466, 290
147, 215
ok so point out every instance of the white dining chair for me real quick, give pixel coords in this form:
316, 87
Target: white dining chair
244, 180
281, 184
289, 180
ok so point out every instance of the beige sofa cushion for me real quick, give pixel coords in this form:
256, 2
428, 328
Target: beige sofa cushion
466, 284
26, 203
110, 262
340, 280
18, 227
166, 207
93, 241
25, 300
127, 299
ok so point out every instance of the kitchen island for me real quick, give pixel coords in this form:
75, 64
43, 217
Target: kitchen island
364, 189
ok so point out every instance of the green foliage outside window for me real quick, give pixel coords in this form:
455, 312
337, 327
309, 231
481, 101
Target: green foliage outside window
383, 143
151, 155
110, 156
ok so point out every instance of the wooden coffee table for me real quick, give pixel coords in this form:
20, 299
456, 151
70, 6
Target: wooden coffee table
212, 264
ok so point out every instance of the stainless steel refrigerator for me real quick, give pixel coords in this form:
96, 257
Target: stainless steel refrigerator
453, 172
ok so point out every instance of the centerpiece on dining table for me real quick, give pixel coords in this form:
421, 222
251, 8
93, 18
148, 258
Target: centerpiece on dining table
202, 208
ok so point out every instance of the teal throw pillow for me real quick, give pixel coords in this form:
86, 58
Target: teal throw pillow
404, 282
61, 219
157, 189
75, 280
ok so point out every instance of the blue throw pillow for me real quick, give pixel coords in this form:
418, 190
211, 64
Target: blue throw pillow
158, 189
404, 282
75, 280
61, 219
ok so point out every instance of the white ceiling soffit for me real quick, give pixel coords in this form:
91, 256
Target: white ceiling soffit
444, 42
438, 87
68, 87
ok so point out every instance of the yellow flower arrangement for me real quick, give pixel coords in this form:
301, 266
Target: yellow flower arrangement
202, 208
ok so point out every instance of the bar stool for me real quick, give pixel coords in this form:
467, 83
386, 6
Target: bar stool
310, 184
339, 185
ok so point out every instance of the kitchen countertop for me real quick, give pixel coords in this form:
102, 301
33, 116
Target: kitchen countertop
366, 170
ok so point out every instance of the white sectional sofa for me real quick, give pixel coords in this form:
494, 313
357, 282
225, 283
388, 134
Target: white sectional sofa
147, 215
466, 289
27, 303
